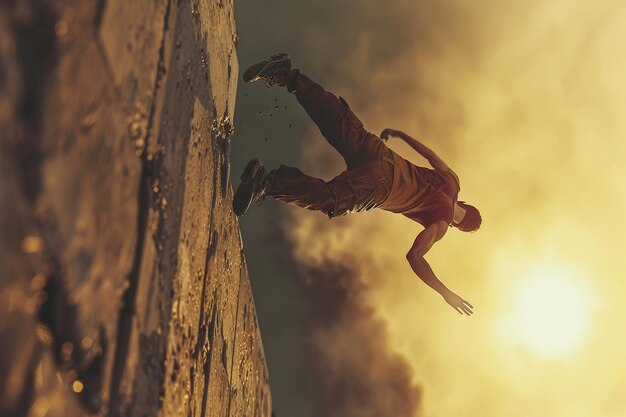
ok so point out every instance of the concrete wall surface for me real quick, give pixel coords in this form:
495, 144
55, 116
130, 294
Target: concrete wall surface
123, 289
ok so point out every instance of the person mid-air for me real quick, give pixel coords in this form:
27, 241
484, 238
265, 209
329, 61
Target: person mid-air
376, 176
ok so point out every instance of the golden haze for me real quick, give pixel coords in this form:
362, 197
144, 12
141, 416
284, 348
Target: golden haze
526, 102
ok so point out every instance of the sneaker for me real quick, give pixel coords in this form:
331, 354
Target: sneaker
254, 185
274, 71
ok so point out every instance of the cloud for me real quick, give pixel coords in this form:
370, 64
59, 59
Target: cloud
349, 365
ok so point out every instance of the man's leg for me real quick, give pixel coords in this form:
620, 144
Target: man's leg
343, 130
339, 125
292, 186
352, 190
361, 150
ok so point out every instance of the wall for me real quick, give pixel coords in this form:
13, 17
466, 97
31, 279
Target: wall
123, 289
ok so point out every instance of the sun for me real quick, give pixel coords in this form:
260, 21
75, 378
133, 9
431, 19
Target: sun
551, 312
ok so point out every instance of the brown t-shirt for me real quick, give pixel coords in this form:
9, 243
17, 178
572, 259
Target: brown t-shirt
421, 194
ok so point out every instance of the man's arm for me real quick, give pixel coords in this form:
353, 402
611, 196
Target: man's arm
434, 159
424, 241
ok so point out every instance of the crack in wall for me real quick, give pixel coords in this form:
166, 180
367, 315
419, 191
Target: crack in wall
129, 296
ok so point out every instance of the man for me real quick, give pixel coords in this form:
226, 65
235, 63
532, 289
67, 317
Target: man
376, 177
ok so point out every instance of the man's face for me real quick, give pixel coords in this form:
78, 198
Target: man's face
467, 218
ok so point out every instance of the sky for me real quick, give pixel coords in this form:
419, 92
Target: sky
525, 101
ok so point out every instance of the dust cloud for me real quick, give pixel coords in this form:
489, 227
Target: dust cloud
351, 369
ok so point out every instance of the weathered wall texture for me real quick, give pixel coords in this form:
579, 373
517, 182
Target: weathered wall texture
123, 290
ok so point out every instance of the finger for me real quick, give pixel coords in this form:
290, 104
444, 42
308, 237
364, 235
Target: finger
458, 309
466, 302
468, 311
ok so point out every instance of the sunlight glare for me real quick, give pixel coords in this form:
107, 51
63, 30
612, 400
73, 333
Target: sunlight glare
551, 313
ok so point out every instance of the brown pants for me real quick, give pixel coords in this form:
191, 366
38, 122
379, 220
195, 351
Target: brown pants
365, 183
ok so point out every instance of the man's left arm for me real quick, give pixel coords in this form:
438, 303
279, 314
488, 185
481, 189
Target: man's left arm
424, 241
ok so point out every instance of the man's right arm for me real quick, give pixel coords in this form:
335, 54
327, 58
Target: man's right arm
434, 159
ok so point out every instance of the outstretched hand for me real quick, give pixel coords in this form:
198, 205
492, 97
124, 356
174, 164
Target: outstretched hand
459, 304
384, 135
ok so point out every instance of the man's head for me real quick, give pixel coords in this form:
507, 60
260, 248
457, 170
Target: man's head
471, 221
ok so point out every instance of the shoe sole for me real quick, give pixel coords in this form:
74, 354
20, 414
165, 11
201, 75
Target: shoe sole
254, 72
243, 196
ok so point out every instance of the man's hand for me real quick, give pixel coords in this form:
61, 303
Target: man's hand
384, 135
459, 304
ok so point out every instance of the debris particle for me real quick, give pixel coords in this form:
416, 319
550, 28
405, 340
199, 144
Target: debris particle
87, 342
77, 386
32, 244
38, 282
222, 128
187, 70
203, 59
44, 335
66, 350
135, 129
88, 121
61, 29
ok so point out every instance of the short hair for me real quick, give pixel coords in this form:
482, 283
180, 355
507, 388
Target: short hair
472, 220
